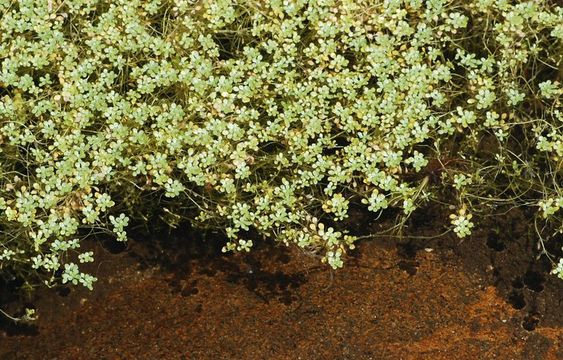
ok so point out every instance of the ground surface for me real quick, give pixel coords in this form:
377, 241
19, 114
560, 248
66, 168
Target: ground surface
481, 298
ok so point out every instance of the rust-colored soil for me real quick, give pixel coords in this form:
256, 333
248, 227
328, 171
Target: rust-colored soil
450, 300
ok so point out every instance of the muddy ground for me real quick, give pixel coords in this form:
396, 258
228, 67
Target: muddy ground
171, 297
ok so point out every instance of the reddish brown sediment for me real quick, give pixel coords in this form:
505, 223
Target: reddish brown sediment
276, 303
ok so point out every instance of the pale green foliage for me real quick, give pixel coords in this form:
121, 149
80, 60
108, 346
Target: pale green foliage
265, 115
462, 223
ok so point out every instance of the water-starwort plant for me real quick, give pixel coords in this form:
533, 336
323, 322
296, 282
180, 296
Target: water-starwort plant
270, 116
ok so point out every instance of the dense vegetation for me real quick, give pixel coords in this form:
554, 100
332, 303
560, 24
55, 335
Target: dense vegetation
271, 117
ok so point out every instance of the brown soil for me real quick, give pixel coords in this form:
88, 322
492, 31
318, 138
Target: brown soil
481, 298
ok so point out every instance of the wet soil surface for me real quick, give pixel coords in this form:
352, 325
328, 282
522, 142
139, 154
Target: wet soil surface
396, 298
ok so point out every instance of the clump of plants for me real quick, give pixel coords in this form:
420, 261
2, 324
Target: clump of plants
270, 117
